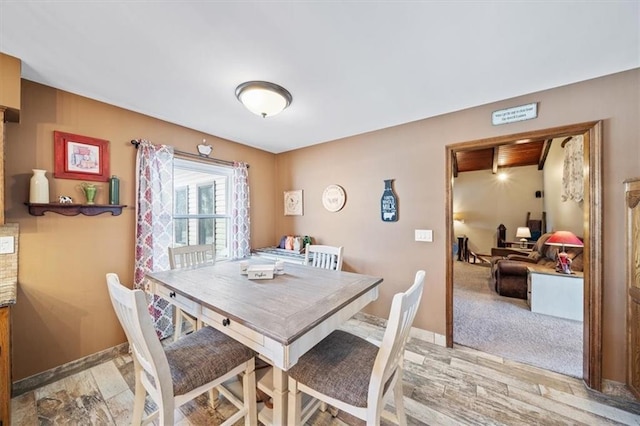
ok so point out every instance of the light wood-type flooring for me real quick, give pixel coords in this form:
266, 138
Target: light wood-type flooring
458, 386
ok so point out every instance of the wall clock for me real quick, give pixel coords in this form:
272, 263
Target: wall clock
333, 198
293, 203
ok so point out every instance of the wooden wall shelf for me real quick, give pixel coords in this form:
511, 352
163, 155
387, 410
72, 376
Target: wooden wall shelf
37, 209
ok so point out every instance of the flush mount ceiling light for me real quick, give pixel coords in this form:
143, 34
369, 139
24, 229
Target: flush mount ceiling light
263, 98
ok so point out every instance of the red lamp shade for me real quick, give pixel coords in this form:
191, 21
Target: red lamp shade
564, 238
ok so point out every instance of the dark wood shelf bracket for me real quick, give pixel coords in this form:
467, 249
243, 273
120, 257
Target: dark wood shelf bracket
37, 209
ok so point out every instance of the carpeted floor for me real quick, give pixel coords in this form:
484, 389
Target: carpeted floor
506, 327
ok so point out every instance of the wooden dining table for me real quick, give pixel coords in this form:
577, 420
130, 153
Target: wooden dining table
280, 318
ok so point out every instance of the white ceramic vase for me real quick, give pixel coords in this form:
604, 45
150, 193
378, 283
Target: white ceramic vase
39, 188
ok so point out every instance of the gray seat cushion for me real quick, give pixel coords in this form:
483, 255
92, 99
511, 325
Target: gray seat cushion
203, 356
339, 366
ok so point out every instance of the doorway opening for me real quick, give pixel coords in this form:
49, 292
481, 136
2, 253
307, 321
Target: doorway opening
592, 215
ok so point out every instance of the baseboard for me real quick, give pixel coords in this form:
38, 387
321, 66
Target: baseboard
428, 336
46, 377
613, 388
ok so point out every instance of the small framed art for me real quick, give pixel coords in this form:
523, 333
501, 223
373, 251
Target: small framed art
293, 203
333, 198
80, 157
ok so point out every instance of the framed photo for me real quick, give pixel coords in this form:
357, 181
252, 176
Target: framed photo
293, 203
80, 157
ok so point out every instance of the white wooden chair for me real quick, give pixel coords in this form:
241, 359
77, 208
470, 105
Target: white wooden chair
184, 257
326, 257
354, 375
183, 370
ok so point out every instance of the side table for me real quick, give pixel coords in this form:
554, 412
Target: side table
553, 293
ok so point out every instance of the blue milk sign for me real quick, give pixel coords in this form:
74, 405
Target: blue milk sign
388, 203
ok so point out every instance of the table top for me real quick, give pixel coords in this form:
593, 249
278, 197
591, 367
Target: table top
283, 308
538, 269
518, 244
505, 251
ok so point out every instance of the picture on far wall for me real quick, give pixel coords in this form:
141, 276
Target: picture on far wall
293, 203
389, 203
80, 157
333, 198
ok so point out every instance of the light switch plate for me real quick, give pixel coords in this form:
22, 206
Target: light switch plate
424, 235
7, 245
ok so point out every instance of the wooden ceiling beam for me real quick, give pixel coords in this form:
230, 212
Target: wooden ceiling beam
494, 164
454, 159
543, 155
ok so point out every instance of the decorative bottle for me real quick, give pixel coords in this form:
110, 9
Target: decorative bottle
389, 203
114, 190
39, 187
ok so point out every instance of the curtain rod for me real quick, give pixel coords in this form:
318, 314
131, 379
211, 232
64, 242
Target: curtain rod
564, 142
194, 156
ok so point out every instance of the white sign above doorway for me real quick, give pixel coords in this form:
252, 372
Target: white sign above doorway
519, 113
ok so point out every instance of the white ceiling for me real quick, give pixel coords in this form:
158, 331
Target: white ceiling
351, 66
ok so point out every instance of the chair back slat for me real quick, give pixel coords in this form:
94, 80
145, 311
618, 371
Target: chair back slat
325, 257
185, 256
131, 308
389, 359
202, 362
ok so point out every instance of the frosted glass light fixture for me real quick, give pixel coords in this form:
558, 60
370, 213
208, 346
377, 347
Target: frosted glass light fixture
263, 98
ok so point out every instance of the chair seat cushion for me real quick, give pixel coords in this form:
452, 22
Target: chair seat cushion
203, 356
339, 366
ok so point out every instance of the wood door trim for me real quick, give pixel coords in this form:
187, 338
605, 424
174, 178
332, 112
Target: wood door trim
632, 225
633, 198
592, 352
5, 365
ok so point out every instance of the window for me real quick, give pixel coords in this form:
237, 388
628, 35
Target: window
181, 226
201, 208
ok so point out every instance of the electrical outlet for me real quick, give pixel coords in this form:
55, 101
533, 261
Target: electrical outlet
6, 245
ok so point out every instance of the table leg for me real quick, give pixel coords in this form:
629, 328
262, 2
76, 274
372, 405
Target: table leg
280, 395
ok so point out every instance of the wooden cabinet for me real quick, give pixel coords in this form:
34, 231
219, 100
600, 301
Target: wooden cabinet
553, 293
5, 366
632, 198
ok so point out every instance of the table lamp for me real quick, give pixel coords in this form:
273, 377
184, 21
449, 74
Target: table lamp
524, 233
564, 239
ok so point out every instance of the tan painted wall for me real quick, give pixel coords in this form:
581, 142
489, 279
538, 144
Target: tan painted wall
414, 155
63, 310
486, 202
561, 215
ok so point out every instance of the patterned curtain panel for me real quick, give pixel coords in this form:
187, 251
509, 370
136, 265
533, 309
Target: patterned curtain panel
573, 172
154, 227
240, 226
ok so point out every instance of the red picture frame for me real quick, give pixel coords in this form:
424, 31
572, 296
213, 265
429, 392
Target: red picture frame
80, 157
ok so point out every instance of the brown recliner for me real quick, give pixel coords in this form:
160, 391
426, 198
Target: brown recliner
510, 274
511, 278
